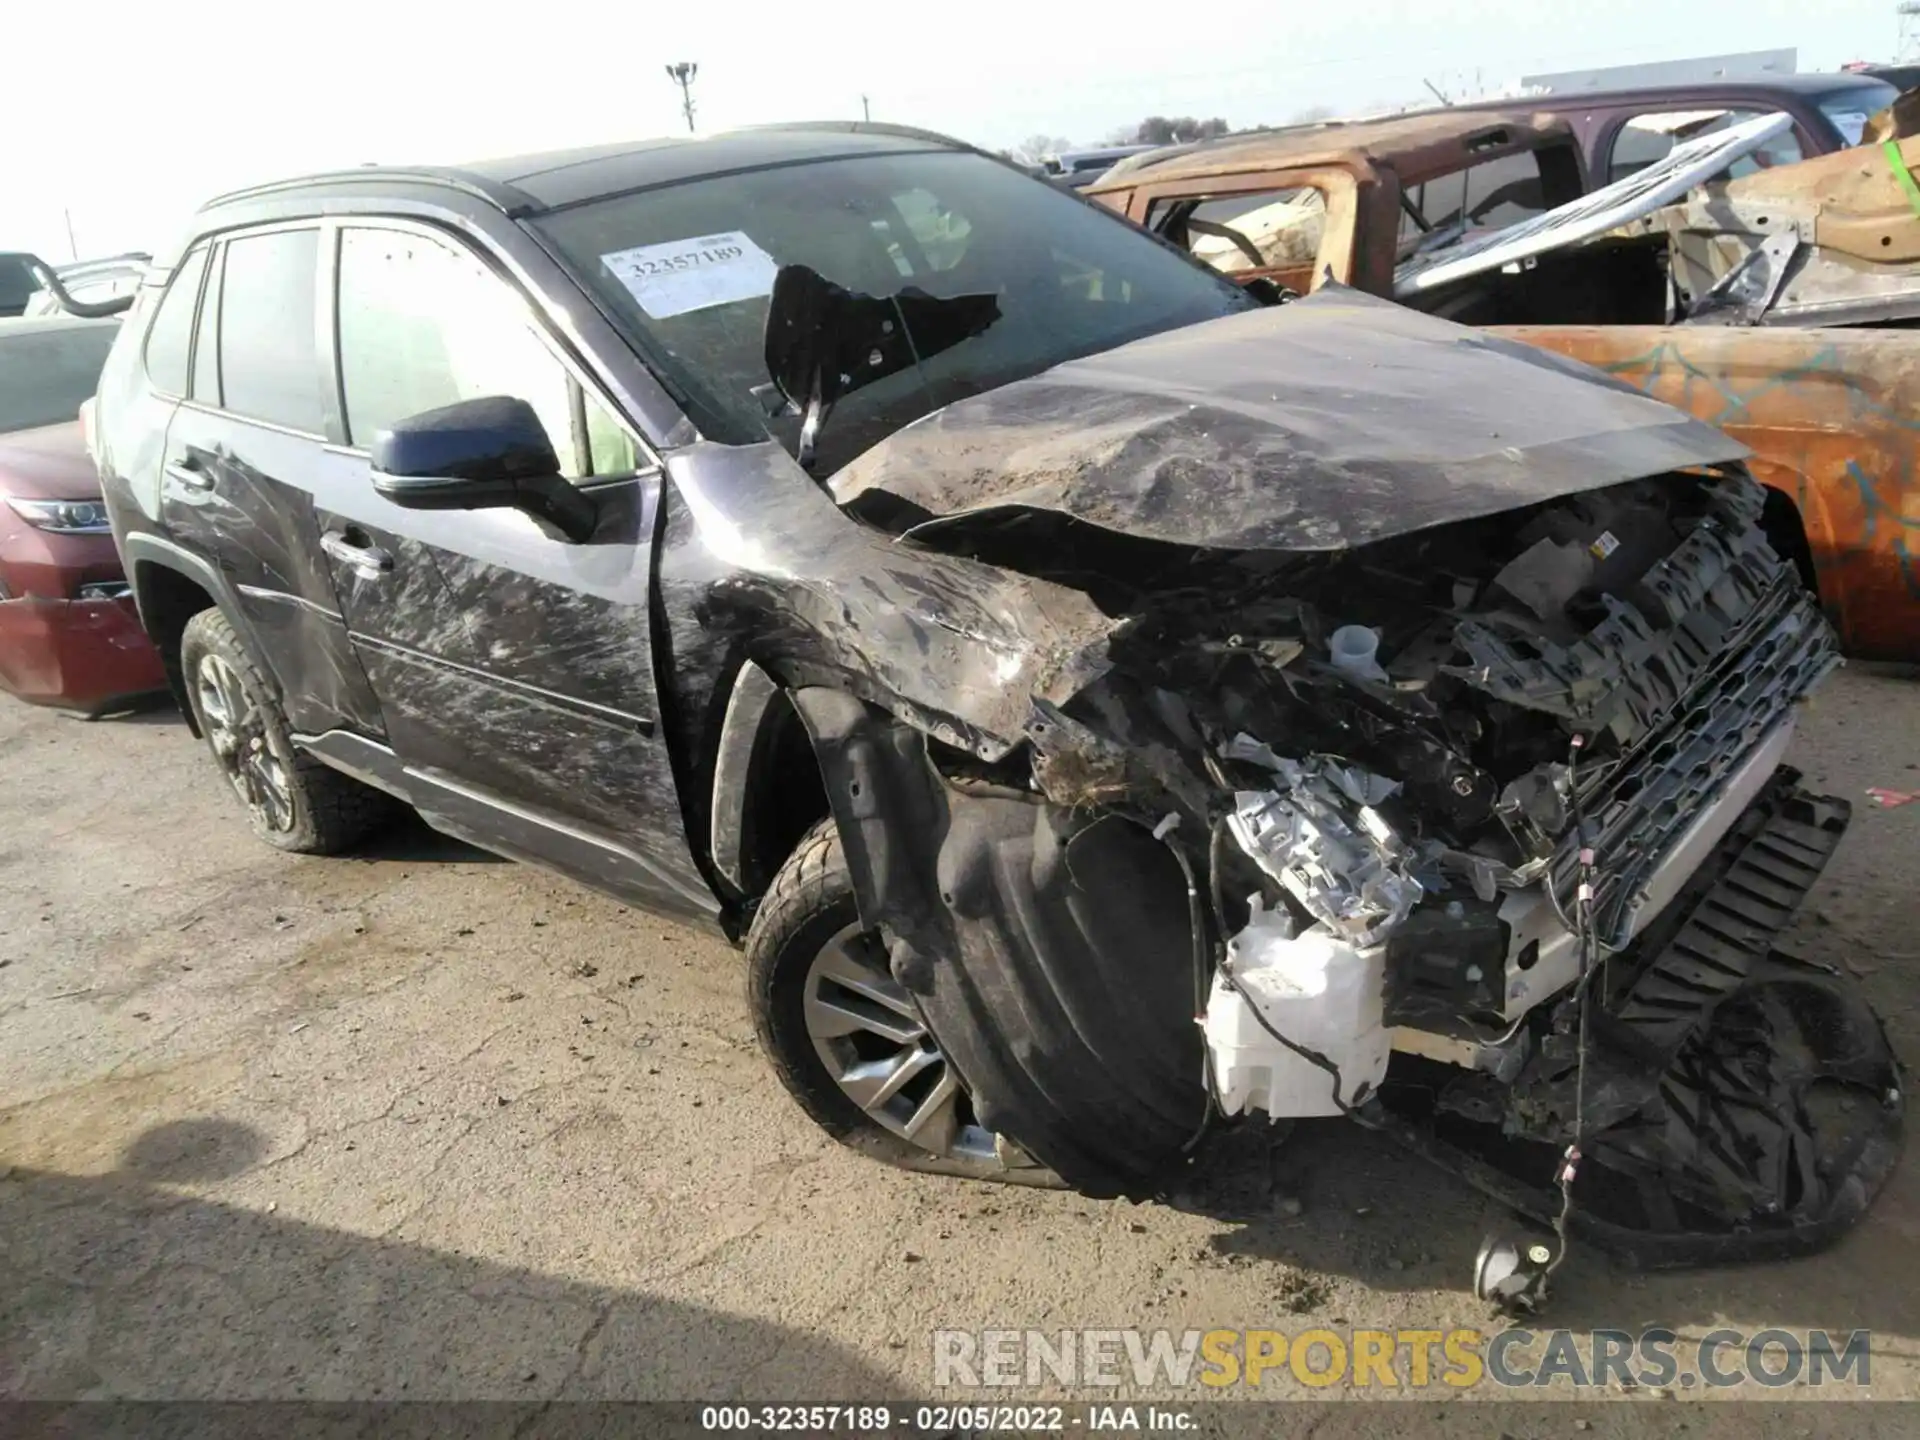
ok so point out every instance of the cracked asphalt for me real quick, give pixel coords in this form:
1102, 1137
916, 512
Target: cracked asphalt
423, 1124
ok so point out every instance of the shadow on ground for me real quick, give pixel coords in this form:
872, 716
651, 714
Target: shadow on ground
124, 1286
412, 840
160, 713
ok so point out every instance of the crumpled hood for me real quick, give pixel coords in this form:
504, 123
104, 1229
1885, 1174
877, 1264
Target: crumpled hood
1322, 424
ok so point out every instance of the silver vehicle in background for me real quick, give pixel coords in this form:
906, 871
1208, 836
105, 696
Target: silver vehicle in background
92, 281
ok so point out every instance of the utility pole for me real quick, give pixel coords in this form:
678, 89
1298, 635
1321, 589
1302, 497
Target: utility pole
73, 246
866, 110
682, 75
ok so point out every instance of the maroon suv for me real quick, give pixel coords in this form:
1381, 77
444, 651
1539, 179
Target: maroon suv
1622, 131
68, 632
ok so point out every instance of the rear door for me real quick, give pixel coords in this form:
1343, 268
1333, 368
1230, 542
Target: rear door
243, 450
514, 668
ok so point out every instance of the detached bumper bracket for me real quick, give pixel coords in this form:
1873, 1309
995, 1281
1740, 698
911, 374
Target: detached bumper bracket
1733, 921
1740, 1104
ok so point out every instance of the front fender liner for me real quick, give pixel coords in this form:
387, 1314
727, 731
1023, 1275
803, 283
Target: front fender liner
1048, 949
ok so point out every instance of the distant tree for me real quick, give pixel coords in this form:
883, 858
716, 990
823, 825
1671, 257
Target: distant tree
1035, 148
1175, 130
1312, 115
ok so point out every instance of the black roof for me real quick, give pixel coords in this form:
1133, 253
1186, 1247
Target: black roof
531, 184
1901, 77
1813, 83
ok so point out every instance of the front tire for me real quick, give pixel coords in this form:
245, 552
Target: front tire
293, 801
846, 1038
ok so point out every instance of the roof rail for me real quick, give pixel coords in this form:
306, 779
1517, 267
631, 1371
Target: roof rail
500, 195
870, 127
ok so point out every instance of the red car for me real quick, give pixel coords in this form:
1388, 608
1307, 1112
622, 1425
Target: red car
69, 635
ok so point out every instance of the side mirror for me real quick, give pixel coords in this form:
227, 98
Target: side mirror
478, 455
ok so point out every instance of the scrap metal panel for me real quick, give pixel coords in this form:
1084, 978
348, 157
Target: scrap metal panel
1833, 420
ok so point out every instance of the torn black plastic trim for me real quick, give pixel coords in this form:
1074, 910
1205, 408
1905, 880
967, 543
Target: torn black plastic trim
1049, 950
1740, 1104
1790, 996
881, 789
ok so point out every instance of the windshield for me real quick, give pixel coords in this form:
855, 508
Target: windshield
1849, 109
687, 270
47, 371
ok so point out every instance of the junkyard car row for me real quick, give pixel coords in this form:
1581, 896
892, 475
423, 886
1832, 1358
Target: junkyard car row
1764, 272
1028, 633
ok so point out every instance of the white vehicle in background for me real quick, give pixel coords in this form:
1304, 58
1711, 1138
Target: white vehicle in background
92, 281
1076, 169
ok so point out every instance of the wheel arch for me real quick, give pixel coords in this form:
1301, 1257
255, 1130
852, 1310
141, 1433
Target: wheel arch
767, 786
171, 586
1786, 531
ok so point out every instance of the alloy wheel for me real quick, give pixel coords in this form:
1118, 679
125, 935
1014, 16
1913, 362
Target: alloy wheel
868, 1033
236, 729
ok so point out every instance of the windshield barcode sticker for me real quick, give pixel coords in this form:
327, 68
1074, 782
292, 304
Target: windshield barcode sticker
685, 275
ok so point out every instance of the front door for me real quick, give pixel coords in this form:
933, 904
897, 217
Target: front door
514, 668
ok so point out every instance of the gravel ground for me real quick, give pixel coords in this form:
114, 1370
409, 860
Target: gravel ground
425, 1124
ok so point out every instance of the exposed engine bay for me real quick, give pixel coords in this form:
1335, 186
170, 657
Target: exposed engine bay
1432, 781
1432, 794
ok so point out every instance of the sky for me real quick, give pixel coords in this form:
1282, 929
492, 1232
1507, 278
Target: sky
144, 111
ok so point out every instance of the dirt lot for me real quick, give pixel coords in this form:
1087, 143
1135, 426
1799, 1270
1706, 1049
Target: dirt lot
426, 1124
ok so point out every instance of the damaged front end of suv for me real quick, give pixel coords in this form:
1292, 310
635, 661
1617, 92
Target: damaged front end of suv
1327, 710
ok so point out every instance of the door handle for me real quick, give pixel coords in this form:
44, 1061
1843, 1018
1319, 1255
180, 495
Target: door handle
187, 475
368, 561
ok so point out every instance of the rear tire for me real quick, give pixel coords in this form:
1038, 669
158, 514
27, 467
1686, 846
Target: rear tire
293, 801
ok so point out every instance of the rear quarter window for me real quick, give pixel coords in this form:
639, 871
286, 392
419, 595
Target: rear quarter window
170, 340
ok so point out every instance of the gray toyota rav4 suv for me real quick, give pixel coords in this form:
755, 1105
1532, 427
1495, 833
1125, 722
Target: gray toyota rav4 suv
1104, 702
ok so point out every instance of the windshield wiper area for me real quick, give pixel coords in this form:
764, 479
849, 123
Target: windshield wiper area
824, 341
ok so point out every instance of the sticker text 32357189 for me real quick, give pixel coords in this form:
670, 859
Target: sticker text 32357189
679, 276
